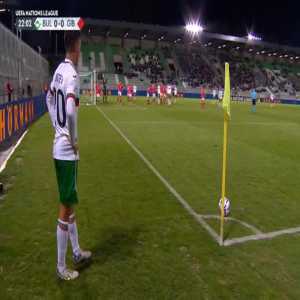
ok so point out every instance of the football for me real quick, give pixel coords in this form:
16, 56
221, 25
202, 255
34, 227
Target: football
226, 206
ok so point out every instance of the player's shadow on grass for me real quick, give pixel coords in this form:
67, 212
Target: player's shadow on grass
117, 243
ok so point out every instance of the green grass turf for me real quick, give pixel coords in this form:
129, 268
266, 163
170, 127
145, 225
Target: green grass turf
145, 245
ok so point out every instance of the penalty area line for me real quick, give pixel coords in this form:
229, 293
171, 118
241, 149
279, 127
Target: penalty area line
178, 197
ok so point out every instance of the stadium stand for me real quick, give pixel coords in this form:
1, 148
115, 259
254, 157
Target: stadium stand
168, 56
22, 68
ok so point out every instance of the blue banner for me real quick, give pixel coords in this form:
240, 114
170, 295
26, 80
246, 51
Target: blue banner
140, 93
290, 101
16, 116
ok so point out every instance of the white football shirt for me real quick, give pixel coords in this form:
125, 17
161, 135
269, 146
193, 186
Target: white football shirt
220, 94
65, 85
169, 89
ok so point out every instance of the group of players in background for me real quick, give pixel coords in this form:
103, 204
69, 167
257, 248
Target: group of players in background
160, 93
167, 94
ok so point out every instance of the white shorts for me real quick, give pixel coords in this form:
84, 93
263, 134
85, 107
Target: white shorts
119, 93
129, 95
153, 95
98, 95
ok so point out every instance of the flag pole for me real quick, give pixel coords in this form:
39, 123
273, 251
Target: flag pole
224, 168
226, 107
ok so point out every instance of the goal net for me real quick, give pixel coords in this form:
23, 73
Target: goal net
88, 87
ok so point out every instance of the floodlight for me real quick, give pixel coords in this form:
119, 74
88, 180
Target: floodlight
253, 37
194, 28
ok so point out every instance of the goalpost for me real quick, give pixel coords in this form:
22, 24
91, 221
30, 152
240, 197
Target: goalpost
88, 82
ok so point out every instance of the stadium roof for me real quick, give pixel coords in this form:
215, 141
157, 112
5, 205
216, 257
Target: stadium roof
171, 34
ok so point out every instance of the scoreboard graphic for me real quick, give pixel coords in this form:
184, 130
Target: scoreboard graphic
49, 23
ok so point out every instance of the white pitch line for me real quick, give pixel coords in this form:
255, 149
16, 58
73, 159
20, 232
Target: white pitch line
180, 199
262, 236
251, 227
3, 166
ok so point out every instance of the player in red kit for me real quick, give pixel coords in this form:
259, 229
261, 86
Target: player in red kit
129, 92
9, 91
98, 91
163, 93
120, 90
153, 92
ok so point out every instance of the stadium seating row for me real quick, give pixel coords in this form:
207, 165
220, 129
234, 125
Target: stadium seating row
191, 68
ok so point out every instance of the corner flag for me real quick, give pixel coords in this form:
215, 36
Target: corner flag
227, 96
226, 107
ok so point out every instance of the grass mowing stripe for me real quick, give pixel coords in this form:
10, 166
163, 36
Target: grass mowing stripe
181, 200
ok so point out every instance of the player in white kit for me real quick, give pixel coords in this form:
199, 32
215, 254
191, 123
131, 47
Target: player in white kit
175, 92
169, 94
134, 92
63, 103
158, 94
214, 94
220, 96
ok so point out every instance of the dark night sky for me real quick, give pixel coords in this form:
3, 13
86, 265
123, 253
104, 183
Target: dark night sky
276, 21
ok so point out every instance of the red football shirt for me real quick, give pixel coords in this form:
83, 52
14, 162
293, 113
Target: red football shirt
202, 92
120, 87
98, 89
129, 89
153, 89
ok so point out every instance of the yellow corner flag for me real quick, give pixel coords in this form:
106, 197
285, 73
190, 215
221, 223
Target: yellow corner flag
226, 106
227, 96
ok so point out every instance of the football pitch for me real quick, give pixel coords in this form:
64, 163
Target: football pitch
149, 186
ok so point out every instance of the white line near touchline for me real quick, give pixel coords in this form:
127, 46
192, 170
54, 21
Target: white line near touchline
3, 166
179, 198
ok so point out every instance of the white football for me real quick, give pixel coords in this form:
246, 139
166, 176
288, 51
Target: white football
226, 206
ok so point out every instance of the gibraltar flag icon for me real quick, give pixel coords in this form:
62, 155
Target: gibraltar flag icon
80, 23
